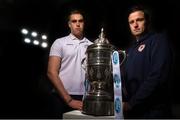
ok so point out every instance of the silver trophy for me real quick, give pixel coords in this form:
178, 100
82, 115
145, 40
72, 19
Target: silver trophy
99, 96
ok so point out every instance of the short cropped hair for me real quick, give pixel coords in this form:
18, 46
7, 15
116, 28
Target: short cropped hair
75, 11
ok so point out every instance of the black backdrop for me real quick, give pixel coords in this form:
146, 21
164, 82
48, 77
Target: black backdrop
23, 82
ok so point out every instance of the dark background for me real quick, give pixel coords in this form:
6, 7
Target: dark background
24, 87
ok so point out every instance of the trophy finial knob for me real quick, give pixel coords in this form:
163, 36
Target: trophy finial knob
102, 34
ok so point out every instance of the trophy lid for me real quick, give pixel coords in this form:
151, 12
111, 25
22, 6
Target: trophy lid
101, 43
101, 38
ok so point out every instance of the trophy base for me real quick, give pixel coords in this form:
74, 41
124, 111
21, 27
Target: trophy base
98, 107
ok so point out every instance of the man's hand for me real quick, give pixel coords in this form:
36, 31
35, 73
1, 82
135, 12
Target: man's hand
76, 104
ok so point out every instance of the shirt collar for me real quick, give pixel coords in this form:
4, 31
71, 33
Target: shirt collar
72, 37
143, 37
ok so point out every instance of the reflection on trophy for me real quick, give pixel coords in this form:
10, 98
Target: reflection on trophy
99, 96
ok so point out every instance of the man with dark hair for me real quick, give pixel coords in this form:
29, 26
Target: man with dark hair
64, 66
147, 69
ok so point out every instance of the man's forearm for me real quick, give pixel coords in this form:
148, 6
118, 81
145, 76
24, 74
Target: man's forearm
58, 85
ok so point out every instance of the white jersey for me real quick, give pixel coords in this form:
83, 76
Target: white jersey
71, 51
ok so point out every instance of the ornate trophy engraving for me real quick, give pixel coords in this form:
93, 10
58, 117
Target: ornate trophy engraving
99, 97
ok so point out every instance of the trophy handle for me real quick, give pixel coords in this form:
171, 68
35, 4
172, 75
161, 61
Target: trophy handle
123, 53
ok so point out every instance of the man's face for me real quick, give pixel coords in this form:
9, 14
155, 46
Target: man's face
137, 23
76, 25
